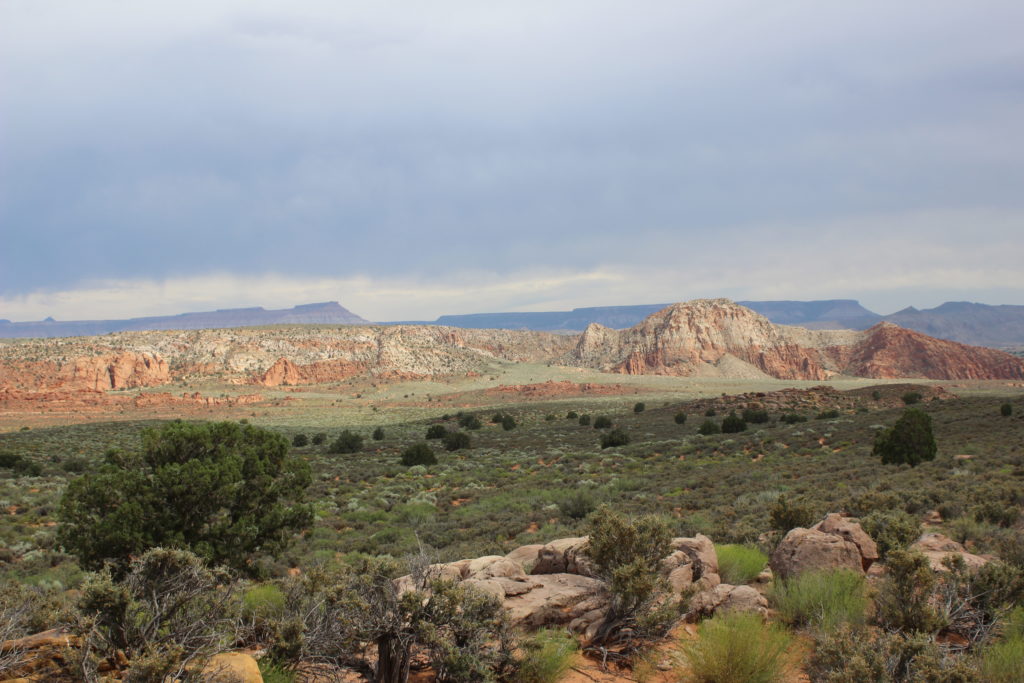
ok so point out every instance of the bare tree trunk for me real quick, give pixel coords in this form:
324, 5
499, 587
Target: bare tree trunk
392, 660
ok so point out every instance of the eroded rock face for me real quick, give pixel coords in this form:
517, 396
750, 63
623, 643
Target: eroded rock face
566, 555
850, 530
232, 667
119, 371
726, 598
937, 547
804, 550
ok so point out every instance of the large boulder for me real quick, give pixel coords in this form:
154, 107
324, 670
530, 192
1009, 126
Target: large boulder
850, 530
526, 556
41, 656
937, 547
231, 667
564, 556
805, 550
726, 598
551, 599
701, 552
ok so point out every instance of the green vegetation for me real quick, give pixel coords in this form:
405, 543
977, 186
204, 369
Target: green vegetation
680, 418
436, 432
709, 427
418, 454
602, 422
739, 564
454, 441
911, 397
223, 490
639, 407
910, 441
616, 437
378, 434
1006, 410
733, 424
822, 600
347, 442
792, 418
755, 415
547, 656
508, 423
300, 440
737, 648
891, 530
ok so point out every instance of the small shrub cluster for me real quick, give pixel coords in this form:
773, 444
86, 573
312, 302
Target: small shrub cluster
739, 564
347, 442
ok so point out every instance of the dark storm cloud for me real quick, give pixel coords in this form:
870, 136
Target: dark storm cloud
400, 142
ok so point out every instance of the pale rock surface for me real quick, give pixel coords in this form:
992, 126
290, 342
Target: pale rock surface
231, 667
805, 550
936, 547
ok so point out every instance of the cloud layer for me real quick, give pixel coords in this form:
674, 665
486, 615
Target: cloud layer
534, 154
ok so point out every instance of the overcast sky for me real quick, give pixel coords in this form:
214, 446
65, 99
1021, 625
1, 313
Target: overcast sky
410, 159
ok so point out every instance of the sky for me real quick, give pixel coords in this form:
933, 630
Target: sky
413, 159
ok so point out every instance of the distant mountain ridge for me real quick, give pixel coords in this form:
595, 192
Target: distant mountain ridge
326, 313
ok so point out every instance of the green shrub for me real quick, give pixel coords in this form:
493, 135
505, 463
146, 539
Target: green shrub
263, 600
572, 415
996, 512
891, 530
737, 647
497, 418
378, 434
911, 397
347, 442
547, 656
470, 422
275, 673
584, 420
616, 437
905, 600
300, 440
739, 564
829, 414
419, 454
680, 418
877, 395
577, 504
225, 490
454, 441
755, 415
436, 432
822, 600
709, 427
792, 418
785, 515
710, 412
602, 422
550, 417
910, 441
733, 424
1003, 662
508, 423
1006, 410
319, 439
639, 407
627, 555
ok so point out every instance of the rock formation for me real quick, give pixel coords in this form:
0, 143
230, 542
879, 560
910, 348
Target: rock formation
834, 543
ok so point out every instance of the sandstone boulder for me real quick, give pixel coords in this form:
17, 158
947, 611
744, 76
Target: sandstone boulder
231, 667
850, 530
552, 598
937, 547
564, 556
526, 556
726, 598
805, 550
701, 552
41, 656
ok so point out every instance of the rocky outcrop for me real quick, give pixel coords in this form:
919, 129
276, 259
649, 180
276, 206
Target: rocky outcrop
850, 530
285, 372
937, 548
726, 598
231, 667
718, 337
808, 550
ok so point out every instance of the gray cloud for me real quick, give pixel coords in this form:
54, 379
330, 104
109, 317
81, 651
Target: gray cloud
433, 142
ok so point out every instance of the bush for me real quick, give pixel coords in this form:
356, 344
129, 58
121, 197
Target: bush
733, 424
577, 504
616, 437
550, 417
892, 530
224, 490
347, 442
602, 422
1006, 410
710, 412
905, 602
497, 418
680, 418
911, 397
1002, 662
319, 439
572, 415
436, 432
739, 564
470, 422
639, 407
792, 418
300, 440
822, 600
418, 454
829, 414
508, 423
584, 420
877, 395
454, 441
709, 427
755, 415
547, 656
378, 434
910, 441
627, 555
785, 515
737, 647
